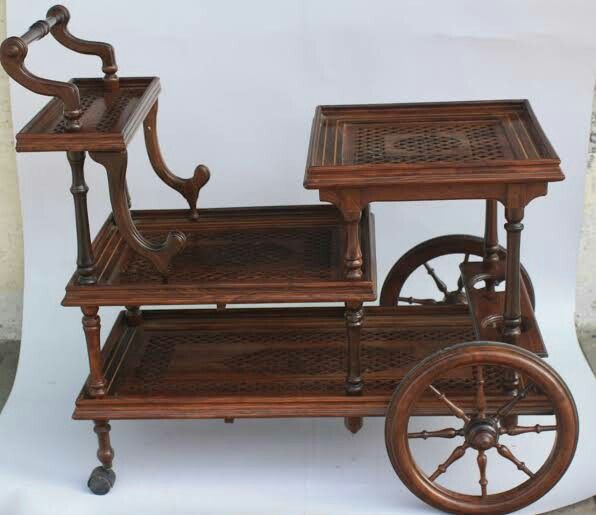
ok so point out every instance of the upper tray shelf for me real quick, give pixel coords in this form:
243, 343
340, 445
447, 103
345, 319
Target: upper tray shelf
391, 144
84, 114
108, 121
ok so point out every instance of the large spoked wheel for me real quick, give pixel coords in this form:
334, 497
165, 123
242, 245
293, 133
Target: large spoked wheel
467, 486
421, 255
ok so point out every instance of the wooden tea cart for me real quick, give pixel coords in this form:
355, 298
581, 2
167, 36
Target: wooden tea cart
474, 354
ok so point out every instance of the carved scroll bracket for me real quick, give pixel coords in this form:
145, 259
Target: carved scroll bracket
188, 188
160, 255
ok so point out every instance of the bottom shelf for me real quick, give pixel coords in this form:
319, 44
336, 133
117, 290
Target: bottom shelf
278, 362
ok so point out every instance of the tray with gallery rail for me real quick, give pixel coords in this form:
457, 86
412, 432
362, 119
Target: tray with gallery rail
279, 362
231, 256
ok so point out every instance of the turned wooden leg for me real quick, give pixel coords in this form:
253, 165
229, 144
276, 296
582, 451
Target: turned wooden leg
96, 385
133, 315
353, 256
354, 314
354, 384
512, 318
102, 478
491, 238
353, 424
491, 235
79, 189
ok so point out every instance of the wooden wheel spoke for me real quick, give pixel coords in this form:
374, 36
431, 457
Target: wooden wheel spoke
480, 393
507, 407
520, 430
457, 453
460, 281
481, 460
458, 412
414, 300
448, 432
440, 284
506, 453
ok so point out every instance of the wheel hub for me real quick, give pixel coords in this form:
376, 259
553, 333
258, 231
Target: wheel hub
455, 297
482, 434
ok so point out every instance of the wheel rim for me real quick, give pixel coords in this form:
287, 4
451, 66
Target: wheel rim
480, 430
421, 255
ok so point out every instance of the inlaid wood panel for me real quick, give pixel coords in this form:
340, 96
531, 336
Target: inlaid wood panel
481, 142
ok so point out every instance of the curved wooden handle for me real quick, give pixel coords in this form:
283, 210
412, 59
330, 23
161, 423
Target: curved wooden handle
14, 50
104, 51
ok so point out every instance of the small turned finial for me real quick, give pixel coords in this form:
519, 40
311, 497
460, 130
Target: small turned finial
60, 12
13, 48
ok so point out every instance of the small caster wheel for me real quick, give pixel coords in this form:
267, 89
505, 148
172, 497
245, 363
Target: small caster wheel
101, 480
353, 424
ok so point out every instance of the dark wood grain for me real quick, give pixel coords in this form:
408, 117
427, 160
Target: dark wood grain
488, 306
159, 254
14, 51
232, 256
460, 245
268, 362
79, 189
188, 188
477, 429
226, 363
431, 143
109, 118
96, 384
492, 150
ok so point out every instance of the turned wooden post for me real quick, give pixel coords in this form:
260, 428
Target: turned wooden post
133, 316
354, 315
354, 383
105, 453
102, 478
353, 256
491, 235
96, 385
512, 320
491, 238
79, 189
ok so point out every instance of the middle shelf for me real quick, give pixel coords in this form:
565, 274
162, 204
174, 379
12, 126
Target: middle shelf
232, 256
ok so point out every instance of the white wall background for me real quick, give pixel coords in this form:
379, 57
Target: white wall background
240, 84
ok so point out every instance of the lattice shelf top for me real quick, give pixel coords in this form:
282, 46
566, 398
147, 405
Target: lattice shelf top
441, 142
109, 117
293, 355
232, 255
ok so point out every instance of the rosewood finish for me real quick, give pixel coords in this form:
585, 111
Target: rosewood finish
232, 256
270, 362
492, 150
404, 359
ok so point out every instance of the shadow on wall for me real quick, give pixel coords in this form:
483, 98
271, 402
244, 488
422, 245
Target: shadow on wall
585, 316
11, 245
